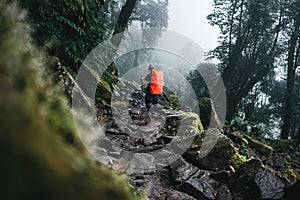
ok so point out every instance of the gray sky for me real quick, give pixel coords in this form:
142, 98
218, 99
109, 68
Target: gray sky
188, 17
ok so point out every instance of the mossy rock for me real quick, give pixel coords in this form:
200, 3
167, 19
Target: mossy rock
103, 92
111, 74
236, 161
243, 181
213, 150
281, 145
223, 153
128, 84
120, 104
173, 100
291, 175
191, 119
205, 111
259, 146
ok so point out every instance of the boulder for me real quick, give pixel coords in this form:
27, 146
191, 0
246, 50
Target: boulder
271, 187
242, 183
212, 150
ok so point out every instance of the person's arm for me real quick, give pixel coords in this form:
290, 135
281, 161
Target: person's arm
147, 79
143, 81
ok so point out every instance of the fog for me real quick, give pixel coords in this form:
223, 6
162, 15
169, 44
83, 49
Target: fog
189, 19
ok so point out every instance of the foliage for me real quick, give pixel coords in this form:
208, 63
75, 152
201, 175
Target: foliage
69, 29
257, 130
152, 13
148, 14
258, 44
248, 44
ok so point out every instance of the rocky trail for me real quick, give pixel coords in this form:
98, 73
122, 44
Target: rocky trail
161, 151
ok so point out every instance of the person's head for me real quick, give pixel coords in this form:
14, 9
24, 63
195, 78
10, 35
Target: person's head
150, 67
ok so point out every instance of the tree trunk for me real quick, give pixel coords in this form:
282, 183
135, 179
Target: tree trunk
123, 19
241, 91
289, 101
298, 137
238, 88
120, 27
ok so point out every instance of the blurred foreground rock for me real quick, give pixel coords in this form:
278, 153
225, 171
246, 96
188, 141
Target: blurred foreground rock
41, 156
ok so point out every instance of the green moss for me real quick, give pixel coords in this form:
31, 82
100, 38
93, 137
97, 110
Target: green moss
236, 161
205, 111
111, 74
260, 147
119, 104
173, 101
128, 84
192, 119
291, 175
103, 92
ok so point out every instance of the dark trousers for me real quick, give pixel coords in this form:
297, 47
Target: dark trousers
150, 99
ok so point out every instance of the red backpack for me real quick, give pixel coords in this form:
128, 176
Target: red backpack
157, 82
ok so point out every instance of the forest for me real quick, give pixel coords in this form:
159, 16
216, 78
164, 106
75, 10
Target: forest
75, 118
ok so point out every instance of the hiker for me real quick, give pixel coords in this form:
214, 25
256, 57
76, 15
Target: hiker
153, 84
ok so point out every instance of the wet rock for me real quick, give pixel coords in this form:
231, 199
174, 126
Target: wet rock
224, 193
146, 149
279, 159
200, 186
192, 119
104, 143
115, 154
149, 129
137, 94
270, 185
188, 130
182, 170
166, 138
140, 181
165, 157
133, 103
111, 124
135, 113
217, 147
167, 111
113, 131
242, 183
173, 121
212, 165
221, 176
150, 140
140, 163
158, 192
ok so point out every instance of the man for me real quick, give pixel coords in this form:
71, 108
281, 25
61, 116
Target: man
149, 98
